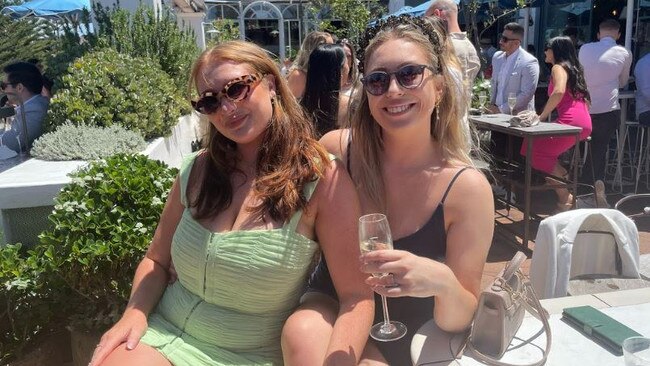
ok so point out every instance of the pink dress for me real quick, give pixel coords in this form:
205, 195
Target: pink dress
546, 150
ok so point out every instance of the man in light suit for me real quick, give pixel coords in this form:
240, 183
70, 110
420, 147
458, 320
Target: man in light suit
514, 71
22, 83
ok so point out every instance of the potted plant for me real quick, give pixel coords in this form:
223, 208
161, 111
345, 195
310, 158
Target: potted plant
103, 222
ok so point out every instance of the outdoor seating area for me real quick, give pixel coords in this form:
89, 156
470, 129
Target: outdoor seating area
382, 182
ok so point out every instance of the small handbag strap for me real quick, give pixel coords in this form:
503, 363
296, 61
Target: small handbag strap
533, 306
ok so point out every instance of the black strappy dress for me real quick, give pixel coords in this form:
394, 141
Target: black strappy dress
429, 241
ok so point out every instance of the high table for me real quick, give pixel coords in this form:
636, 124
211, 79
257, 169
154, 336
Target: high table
432, 346
500, 123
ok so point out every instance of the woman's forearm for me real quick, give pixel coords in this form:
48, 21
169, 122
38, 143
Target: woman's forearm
149, 283
454, 309
350, 332
552, 102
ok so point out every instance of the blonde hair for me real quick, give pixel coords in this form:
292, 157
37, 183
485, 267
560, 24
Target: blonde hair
446, 127
289, 156
313, 40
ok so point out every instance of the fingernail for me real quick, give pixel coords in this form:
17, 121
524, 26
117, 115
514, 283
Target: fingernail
129, 346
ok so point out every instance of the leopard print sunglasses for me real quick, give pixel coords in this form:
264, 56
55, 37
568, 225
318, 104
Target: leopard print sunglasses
235, 90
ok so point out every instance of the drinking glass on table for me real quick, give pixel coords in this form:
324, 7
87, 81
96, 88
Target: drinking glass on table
482, 98
512, 101
636, 351
374, 234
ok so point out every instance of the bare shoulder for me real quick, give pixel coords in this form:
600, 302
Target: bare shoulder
558, 69
297, 74
335, 188
336, 142
470, 188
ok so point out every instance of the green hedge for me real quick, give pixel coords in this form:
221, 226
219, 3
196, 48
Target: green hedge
105, 87
103, 222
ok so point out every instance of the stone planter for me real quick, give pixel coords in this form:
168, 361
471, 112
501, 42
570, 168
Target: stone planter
82, 345
54, 350
27, 190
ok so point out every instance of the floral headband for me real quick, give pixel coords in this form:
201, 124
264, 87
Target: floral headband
393, 22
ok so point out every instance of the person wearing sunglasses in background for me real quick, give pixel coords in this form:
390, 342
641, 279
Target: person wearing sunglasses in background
242, 224
514, 71
408, 157
22, 84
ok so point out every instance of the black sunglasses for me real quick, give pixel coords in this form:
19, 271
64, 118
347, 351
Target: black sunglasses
4, 85
505, 39
235, 90
408, 77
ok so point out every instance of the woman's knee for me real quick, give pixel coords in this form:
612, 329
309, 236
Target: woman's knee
317, 313
142, 354
307, 331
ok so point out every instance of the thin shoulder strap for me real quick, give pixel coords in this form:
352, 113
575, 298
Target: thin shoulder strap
186, 169
308, 191
451, 183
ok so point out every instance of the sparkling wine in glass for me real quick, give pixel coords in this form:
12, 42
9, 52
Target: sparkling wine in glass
374, 234
512, 101
482, 98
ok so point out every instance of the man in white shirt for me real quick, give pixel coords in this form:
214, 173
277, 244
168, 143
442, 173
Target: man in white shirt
470, 63
22, 83
607, 68
642, 80
514, 71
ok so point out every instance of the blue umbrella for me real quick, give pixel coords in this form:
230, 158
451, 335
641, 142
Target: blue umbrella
45, 8
416, 11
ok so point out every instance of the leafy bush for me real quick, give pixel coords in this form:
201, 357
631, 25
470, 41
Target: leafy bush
225, 30
103, 223
139, 35
104, 88
25, 301
22, 39
70, 142
69, 45
154, 36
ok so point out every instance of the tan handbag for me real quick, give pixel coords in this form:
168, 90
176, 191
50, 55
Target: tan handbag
501, 310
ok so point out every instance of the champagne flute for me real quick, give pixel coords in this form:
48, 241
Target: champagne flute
512, 101
482, 98
374, 234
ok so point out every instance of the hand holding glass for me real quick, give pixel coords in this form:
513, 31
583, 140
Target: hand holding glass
512, 101
374, 234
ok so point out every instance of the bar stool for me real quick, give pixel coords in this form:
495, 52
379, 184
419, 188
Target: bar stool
642, 158
628, 157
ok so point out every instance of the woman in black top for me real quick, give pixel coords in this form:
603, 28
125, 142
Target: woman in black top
407, 154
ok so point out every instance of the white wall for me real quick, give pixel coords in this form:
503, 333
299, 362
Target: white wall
193, 21
131, 5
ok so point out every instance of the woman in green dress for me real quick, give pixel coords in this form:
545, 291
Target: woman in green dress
243, 223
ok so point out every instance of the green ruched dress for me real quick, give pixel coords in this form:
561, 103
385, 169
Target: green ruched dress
234, 291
